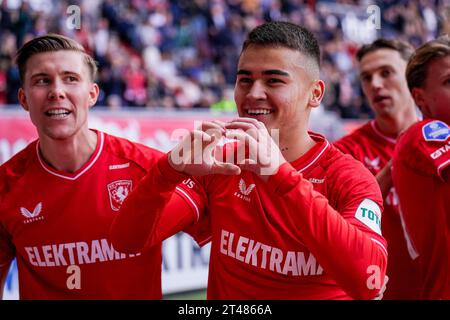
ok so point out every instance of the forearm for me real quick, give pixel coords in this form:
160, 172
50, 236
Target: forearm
345, 251
384, 179
140, 212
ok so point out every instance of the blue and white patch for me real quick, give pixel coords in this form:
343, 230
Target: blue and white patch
369, 213
436, 131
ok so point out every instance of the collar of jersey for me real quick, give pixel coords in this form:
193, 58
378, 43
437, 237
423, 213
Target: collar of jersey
75, 175
313, 155
379, 133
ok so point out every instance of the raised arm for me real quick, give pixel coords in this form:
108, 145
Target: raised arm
152, 212
384, 179
157, 209
346, 249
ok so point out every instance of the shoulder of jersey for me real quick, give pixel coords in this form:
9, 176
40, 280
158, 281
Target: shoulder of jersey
13, 169
426, 130
361, 131
354, 139
434, 130
336, 162
132, 151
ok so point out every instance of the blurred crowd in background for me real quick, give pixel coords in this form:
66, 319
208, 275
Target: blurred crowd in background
182, 54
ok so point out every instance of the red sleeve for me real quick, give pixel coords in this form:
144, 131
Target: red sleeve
347, 248
153, 211
192, 192
425, 148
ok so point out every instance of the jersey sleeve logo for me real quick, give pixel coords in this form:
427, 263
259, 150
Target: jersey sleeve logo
369, 214
436, 131
118, 191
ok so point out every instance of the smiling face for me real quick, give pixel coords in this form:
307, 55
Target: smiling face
382, 74
276, 86
58, 92
434, 98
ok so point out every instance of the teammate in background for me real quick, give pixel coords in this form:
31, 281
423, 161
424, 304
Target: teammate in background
59, 195
299, 221
382, 72
421, 171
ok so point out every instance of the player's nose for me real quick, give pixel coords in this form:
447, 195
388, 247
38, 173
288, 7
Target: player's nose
257, 91
56, 91
376, 82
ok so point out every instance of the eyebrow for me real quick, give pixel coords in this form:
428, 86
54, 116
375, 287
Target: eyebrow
384, 66
40, 74
266, 72
43, 74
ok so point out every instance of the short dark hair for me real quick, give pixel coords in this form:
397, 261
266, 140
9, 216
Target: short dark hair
50, 43
416, 70
285, 34
403, 48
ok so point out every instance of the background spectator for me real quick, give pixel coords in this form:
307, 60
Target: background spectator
182, 54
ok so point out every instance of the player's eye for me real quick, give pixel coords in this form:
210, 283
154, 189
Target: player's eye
366, 78
274, 81
71, 79
385, 73
245, 80
41, 81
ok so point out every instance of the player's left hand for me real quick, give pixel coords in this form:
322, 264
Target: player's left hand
264, 156
195, 153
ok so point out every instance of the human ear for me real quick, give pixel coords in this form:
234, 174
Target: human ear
93, 94
317, 92
23, 99
419, 99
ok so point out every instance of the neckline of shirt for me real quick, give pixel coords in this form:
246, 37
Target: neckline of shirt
313, 154
379, 133
75, 175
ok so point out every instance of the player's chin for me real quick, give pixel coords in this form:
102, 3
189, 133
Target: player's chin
59, 133
383, 105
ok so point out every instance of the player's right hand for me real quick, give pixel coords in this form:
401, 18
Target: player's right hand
194, 155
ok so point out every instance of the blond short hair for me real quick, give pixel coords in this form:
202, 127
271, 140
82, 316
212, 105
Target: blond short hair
50, 43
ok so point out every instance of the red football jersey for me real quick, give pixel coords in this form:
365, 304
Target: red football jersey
421, 156
374, 149
311, 232
56, 224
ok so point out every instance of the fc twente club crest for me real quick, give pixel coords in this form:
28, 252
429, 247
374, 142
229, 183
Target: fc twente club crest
118, 191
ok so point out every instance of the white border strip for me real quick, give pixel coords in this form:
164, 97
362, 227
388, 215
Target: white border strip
190, 200
442, 167
82, 172
317, 157
201, 244
380, 244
